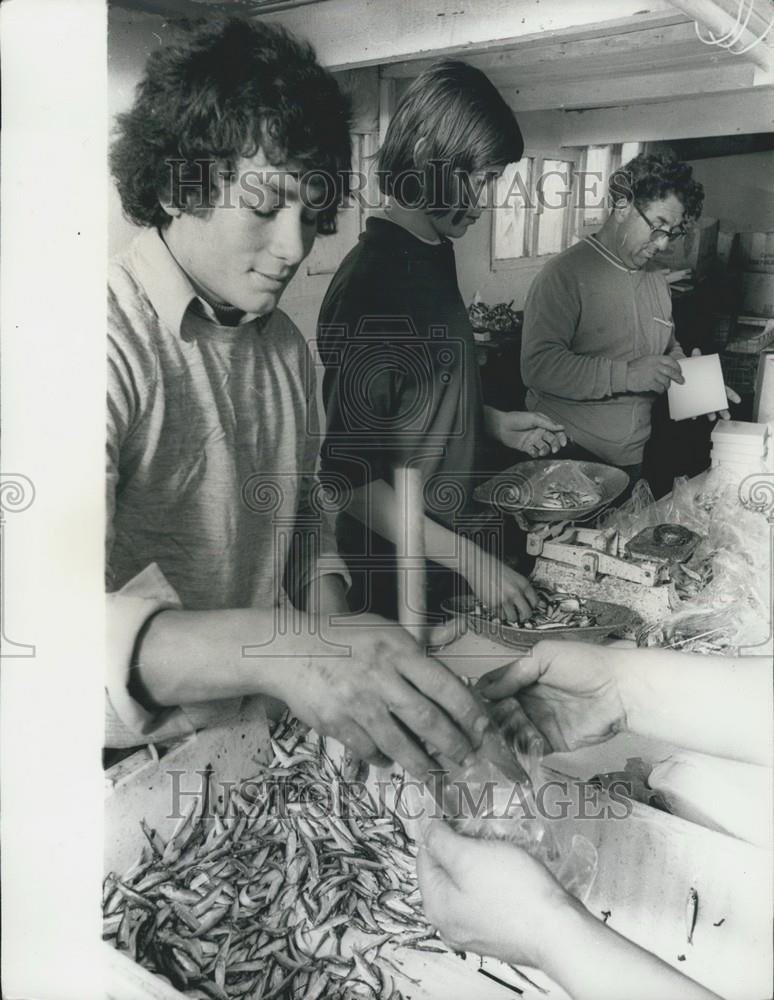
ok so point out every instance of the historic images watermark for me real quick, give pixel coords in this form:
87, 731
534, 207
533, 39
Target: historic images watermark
203, 184
409, 800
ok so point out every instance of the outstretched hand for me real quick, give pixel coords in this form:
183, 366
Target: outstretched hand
568, 692
535, 434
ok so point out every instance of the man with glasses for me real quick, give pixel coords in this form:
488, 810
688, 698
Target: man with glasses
599, 342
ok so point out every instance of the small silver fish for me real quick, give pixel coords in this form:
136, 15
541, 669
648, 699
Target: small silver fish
691, 913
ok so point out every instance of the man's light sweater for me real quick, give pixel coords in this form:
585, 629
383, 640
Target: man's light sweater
585, 317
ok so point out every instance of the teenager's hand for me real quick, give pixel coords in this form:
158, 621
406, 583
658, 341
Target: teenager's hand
369, 685
568, 690
532, 433
488, 896
508, 595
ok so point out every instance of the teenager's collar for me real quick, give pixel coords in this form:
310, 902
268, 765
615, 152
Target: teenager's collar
167, 285
413, 221
220, 313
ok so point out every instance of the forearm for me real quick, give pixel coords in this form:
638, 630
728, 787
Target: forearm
711, 704
592, 962
376, 505
186, 657
553, 368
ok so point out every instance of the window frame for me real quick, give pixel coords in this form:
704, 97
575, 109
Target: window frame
566, 154
574, 225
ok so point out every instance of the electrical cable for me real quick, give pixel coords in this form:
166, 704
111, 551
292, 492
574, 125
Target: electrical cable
755, 41
725, 41
735, 34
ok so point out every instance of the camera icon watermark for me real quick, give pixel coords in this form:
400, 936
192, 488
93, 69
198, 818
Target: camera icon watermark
385, 382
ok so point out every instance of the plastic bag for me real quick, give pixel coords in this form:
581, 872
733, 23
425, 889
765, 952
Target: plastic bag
564, 485
737, 545
636, 514
720, 596
495, 796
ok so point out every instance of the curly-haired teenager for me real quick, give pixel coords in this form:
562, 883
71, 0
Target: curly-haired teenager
211, 443
599, 341
402, 383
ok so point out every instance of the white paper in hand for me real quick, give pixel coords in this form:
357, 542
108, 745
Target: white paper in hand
703, 390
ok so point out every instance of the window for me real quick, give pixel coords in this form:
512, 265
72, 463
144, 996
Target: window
533, 214
592, 199
510, 215
598, 163
553, 210
547, 202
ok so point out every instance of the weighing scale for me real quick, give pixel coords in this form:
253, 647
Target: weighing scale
560, 536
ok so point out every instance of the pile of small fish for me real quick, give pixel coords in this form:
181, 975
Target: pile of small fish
565, 498
554, 610
256, 902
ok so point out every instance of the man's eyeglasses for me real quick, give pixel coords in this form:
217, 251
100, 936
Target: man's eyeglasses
657, 233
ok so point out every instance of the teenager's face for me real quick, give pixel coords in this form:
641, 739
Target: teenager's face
452, 225
247, 248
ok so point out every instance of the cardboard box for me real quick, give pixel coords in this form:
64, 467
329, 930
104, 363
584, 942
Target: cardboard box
757, 293
696, 250
756, 251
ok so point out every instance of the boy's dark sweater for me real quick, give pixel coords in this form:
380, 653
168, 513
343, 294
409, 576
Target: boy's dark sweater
401, 376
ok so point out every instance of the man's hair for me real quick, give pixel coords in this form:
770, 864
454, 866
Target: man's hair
218, 95
468, 127
654, 176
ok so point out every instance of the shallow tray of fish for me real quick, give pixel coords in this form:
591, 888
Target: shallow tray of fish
607, 618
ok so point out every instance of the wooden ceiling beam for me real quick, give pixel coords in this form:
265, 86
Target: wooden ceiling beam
667, 61
351, 33
537, 53
677, 118
637, 88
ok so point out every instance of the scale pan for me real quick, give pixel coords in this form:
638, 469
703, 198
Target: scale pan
514, 490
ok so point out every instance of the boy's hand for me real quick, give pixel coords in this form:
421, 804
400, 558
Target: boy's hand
369, 685
506, 593
533, 433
